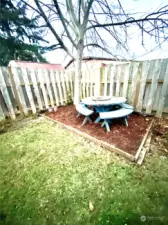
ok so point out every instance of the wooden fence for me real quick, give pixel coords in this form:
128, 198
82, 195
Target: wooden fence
23, 90
144, 84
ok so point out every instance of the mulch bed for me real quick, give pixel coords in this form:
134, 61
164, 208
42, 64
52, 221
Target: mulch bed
160, 134
126, 138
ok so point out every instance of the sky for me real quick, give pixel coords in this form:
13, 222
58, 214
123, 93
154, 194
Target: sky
136, 49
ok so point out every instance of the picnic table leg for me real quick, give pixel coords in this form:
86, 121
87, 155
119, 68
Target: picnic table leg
78, 114
97, 120
126, 122
87, 118
102, 125
107, 125
101, 109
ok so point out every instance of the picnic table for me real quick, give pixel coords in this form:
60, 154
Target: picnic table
103, 103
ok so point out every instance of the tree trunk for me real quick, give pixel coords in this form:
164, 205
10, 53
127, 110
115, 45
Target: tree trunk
78, 73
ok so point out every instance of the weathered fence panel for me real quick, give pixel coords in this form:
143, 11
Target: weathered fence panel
164, 91
5, 95
30, 90
144, 84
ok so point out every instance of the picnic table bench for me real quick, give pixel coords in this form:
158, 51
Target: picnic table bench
120, 113
83, 110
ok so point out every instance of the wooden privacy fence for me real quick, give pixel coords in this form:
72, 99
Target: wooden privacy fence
144, 84
23, 90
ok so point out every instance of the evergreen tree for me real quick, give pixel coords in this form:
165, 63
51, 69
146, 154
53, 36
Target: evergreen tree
20, 37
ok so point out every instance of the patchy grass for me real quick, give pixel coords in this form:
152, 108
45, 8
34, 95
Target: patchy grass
49, 175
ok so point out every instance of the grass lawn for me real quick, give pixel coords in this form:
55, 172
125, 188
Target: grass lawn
49, 175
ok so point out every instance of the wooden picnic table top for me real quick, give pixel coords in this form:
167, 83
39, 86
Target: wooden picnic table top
92, 101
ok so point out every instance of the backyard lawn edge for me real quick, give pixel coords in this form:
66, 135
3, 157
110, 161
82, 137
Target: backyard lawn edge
105, 144
95, 140
143, 141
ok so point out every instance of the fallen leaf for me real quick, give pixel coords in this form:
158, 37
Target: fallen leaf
91, 206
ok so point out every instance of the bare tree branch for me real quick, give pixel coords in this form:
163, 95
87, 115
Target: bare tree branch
131, 20
52, 29
63, 22
84, 24
98, 46
125, 22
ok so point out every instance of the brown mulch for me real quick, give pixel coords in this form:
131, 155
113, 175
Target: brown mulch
126, 138
160, 134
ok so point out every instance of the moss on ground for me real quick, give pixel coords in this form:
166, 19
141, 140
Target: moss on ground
49, 175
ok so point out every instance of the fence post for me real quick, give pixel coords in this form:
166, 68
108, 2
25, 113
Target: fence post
6, 95
163, 90
134, 71
97, 89
138, 84
16, 96
102, 69
2, 116
154, 84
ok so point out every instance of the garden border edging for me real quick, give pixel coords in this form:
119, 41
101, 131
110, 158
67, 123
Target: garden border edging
102, 143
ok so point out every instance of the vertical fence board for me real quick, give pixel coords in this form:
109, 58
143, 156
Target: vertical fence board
118, 77
53, 83
138, 86
57, 76
63, 86
15, 92
145, 70
6, 96
94, 79
3, 105
155, 77
83, 84
91, 76
135, 67
97, 82
67, 87
126, 77
48, 86
7, 78
36, 89
112, 72
28, 90
105, 80
164, 89
40, 76
2, 116
101, 80
72, 78
71, 84
19, 90
87, 83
